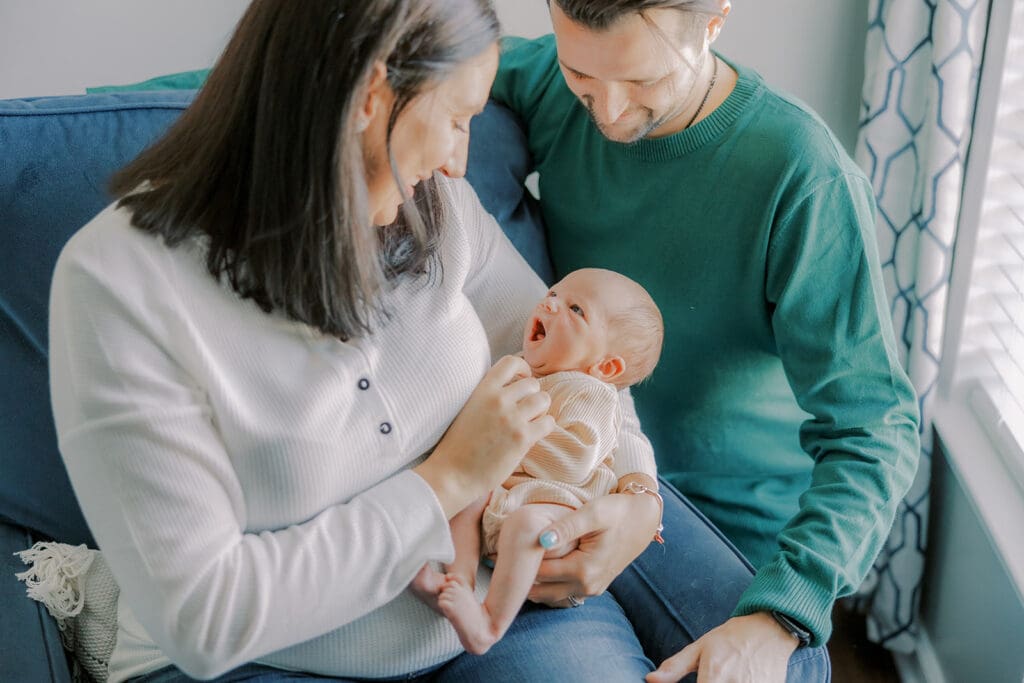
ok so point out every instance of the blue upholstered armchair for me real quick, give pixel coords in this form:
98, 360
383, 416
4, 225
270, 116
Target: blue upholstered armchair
56, 155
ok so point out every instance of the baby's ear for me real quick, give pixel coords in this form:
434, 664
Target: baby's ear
608, 370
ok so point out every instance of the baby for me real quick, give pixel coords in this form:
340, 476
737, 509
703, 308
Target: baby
594, 333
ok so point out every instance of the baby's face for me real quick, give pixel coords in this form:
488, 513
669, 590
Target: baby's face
569, 327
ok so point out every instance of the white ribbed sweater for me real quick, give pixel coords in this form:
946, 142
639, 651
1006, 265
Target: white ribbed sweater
250, 495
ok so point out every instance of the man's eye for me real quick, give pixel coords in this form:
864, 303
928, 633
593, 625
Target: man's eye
576, 309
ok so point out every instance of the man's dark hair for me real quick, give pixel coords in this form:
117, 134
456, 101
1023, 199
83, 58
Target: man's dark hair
266, 164
598, 15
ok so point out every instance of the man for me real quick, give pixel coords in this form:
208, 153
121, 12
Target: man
778, 406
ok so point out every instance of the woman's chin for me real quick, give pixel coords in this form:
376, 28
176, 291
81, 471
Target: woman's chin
385, 216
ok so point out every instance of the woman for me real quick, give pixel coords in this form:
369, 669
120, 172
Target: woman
253, 349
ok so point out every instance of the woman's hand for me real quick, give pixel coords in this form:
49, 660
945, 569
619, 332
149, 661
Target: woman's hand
612, 531
505, 415
750, 649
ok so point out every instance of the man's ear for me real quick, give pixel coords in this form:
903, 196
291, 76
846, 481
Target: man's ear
608, 370
715, 25
377, 96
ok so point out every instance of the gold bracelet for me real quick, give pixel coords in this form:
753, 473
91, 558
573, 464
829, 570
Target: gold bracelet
637, 488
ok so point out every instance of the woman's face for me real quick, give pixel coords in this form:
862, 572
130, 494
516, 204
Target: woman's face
431, 134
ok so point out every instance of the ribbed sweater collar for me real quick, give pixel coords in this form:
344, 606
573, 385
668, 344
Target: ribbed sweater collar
749, 87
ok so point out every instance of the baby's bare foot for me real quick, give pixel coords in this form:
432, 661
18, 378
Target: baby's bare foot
427, 586
469, 617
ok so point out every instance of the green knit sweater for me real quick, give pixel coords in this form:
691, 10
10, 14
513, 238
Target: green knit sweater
779, 406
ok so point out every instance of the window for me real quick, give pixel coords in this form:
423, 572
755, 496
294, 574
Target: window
990, 367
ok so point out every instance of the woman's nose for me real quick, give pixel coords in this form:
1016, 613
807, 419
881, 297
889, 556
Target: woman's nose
455, 166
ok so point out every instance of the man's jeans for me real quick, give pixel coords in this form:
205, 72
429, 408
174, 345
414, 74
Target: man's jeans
692, 583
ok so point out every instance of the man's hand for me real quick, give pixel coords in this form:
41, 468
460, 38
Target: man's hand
750, 649
612, 531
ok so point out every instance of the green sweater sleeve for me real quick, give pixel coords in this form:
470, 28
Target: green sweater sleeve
526, 71
839, 354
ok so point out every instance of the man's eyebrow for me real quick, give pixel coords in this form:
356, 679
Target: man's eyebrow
570, 68
631, 80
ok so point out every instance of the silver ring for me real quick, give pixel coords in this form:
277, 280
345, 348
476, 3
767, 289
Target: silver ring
574, 601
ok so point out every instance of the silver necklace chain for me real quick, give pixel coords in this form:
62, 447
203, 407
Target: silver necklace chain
707, 93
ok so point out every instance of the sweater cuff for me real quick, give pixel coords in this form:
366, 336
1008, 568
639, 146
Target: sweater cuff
779, 586
416, 516
634, 452
631, 462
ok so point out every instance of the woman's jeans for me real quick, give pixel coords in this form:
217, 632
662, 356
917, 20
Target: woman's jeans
591, 644
672, 594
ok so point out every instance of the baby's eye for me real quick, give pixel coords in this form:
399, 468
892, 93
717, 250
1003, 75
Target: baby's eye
576, 309
552, 293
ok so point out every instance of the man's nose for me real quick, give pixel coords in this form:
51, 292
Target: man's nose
613, 102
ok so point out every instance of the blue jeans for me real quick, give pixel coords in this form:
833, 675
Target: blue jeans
593, 643
669, 597
675, 593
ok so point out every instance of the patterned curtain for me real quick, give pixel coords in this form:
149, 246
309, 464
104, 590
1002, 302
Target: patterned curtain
921, 81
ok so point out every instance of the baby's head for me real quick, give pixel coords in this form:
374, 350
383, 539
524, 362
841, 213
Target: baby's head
598, 322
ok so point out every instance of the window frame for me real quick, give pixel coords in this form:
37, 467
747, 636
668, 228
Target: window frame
977, 450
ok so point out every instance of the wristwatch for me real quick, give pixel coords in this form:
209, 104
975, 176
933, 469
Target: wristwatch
794, 627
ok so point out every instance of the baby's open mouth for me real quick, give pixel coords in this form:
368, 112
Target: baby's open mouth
538, 330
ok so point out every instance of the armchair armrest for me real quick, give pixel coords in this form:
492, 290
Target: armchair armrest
30, 648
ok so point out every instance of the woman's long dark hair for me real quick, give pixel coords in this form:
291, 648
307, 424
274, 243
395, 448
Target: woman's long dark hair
266, 163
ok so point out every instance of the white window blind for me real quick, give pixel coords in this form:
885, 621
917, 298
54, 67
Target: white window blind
992, 344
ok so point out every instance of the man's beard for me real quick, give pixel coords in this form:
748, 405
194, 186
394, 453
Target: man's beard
641, 131
645, 128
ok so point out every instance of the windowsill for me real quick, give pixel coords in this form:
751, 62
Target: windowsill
998, 414
992, 489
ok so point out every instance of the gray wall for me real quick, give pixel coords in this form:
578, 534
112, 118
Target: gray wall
59, 47
970, 610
